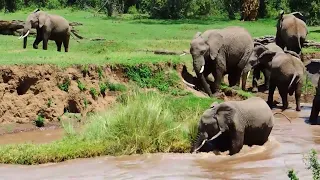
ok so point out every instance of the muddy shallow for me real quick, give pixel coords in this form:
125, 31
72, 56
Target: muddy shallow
283, 151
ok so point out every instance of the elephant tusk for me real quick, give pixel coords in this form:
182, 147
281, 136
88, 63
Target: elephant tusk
183, 54
217, 135
202, 69
25, 35
204, 141
248, 75
189, 84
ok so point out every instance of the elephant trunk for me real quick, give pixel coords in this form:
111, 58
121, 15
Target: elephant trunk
26, 31
197, 142
204, 83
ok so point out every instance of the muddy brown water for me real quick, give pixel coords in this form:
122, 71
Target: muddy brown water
285, 149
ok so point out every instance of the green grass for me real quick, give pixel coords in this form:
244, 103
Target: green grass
138, 123
125, 36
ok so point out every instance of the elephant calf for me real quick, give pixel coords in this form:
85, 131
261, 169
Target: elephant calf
233, 124
261, 53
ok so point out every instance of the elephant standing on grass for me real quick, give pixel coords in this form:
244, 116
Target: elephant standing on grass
220, 52
291, 31
232, 124
49, 27
260, 52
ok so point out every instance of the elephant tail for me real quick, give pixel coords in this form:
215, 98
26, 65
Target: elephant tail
283, 115
290, 87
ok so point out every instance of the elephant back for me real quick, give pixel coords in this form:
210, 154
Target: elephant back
254, 112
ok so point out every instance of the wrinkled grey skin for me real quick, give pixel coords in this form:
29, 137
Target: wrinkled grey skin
291, 31
220, 52
49, 27
287, 72
248, 122
260, 52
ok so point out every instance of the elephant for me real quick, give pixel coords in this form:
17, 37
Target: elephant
287, 72
230, 125
265, 68
49, 27
291, 31
220, 52
313, 118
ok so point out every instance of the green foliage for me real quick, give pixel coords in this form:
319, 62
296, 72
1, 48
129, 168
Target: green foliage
49, 103
133, 10
39, 121
116, 87
93, 93
85, 102
81, 86
65, 84
100, 73
145, 78
312, 162
103, 88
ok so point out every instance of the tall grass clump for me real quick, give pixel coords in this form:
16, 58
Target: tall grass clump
142, 124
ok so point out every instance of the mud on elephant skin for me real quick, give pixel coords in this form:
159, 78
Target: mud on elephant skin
261, 54
49, 27
232, 124
219, 52
291, 31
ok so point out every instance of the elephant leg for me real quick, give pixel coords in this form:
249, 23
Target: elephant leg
283, 91
218, 75
298, 96
237, 139
272, 88
315, 110
39, 38
244, 80
255, 77
66, 43
59, 44
266, 74
46, 36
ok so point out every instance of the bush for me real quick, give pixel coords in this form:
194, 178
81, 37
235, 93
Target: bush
133, 10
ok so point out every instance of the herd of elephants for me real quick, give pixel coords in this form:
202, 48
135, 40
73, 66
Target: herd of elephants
231, 50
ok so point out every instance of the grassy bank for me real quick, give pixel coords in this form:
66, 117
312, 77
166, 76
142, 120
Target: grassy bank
138, 123
125, 37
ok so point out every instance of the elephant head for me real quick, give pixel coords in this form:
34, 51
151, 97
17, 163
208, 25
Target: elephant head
35, 20
203, 49
213, 123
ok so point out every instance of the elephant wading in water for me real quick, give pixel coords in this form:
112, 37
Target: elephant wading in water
260, 52
232, 124
49, 27
220, 52
291, 31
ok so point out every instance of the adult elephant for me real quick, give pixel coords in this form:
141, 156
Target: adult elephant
49, 27
220, 52
232, 124
291, 31
260, 53
287, 72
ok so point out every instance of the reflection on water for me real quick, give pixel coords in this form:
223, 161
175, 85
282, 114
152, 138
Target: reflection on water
284, 150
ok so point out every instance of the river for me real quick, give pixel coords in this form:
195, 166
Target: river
284, 150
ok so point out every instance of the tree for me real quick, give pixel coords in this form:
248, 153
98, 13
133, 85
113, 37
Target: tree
250, 10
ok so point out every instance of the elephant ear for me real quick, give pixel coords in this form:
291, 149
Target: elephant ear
214, 104
197, 35
266, 56
215, 42
292, 53
225, 114
300, 16
42, 19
